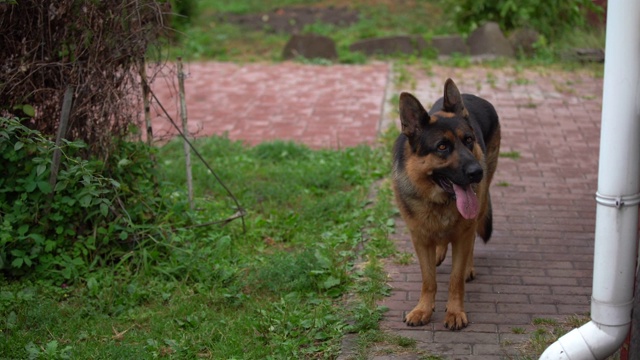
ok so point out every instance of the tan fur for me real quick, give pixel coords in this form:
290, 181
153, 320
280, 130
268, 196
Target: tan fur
434, 221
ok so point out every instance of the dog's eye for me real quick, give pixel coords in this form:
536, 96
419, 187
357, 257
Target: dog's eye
468, 140
443, 147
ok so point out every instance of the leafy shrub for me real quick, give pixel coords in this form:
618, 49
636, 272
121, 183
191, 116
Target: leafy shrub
550, 17
62, 230
182, 13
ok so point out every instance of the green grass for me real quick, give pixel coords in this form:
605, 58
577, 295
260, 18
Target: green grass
274, 291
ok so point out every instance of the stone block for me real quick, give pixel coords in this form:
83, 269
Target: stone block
310, 47
488, 40
449, 44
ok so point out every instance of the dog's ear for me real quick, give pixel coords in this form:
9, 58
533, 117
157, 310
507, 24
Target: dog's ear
411, 114
452, 98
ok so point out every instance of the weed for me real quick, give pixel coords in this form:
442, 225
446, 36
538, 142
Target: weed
522, 81
518, 330
314, 61
545, 321
546, 332
404, 258
491, 79
458, 60
403, 78
515, 155
503, 184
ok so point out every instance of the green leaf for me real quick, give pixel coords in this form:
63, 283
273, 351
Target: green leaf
92, 283
17, 262
323, 261
17, 253
23, 229
49, 245
40, 169
60, 185
29, 110
331, 282
12, 320
51, 347
39, 239
85, 201
19, 145
30, 186
104, 209
124, 235
44, 186
124, 162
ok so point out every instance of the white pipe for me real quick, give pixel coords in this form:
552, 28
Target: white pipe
617, 198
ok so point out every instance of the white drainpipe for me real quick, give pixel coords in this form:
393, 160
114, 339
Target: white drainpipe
615, 253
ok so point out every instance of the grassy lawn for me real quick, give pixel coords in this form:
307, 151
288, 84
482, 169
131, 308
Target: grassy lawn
275, 291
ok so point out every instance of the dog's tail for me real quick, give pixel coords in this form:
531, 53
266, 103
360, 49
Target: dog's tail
486, 229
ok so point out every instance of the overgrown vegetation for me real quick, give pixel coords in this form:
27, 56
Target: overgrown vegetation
85, 220
551, 18
93, 47
138, 278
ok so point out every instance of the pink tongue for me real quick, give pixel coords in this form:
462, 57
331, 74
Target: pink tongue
466, 201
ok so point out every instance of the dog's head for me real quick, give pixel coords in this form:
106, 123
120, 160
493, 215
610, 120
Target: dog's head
444, 147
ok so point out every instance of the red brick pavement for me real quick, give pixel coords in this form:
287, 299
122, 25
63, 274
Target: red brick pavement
321, 106
538, 263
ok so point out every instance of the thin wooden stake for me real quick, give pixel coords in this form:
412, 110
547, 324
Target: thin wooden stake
145, 101
62, 132
185, 131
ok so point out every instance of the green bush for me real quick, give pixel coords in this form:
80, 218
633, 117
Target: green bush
182, 13
551, 18
62, 231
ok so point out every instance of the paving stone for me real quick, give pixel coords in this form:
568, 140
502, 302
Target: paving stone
447, 45
262, 102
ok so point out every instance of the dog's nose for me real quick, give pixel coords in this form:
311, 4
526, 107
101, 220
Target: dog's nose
474, 173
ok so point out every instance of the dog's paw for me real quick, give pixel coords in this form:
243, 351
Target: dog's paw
418, 317
470, 275
441, 254
455, 320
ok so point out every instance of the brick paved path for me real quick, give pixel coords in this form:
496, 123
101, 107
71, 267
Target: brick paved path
322, 106
538, 263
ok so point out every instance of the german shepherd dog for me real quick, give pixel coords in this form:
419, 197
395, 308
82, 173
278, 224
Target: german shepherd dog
443, 163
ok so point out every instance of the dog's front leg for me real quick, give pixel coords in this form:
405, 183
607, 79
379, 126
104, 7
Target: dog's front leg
426, 252
462, 249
